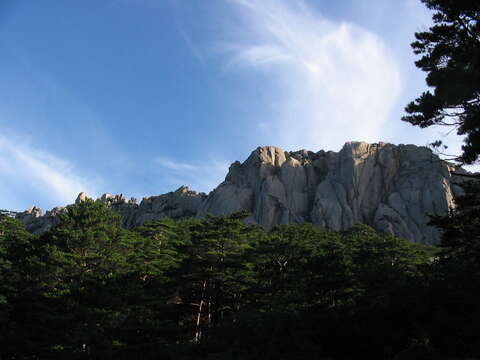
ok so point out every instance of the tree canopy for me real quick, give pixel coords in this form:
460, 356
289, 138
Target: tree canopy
450, 55
210, 288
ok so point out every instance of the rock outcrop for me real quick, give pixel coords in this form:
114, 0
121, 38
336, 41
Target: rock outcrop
180, 204
392, 188
81, 197
37, 223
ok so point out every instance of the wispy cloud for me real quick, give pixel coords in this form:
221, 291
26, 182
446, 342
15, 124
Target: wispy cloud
25, 169
180, 25
203, 176
330, 82
174, 165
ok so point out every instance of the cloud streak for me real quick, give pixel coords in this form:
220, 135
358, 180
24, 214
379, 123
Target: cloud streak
330, 82
24, 169
174, 165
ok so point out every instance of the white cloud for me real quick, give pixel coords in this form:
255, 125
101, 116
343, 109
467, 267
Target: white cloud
24, 169
331, 82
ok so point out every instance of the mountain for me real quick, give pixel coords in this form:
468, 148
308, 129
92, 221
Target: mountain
393, 188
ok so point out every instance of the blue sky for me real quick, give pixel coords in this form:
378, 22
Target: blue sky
141, 96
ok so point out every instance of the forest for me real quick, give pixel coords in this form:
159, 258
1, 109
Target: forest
216, 288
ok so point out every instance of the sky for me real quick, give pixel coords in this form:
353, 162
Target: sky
142, 96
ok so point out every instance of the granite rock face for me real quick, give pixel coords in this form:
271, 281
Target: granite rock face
392, 188
179, 204
37, 223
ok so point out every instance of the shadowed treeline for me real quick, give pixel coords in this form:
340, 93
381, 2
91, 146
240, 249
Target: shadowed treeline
220, 289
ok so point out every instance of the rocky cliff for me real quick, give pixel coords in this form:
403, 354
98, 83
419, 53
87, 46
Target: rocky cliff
392, 188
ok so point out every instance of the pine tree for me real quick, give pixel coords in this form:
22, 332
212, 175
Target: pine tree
213, 275
450, 54
27, 317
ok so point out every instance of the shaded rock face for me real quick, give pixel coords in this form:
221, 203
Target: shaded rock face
392, 188
35, 222
180, 204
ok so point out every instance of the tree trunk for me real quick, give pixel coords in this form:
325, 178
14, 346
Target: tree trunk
198, 333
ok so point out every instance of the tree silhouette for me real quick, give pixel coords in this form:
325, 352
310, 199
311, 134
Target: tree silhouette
450, 54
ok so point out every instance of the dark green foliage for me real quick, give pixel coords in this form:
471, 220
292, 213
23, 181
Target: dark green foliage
450, 54
220, 289
315, 291
88, 267
214, 274
297, 265
382, 261
24, 321
461, 238
456, 281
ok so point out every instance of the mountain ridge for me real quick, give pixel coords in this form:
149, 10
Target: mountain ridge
393, 188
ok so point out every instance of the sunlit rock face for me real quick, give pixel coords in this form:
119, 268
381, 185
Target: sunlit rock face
392, 188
